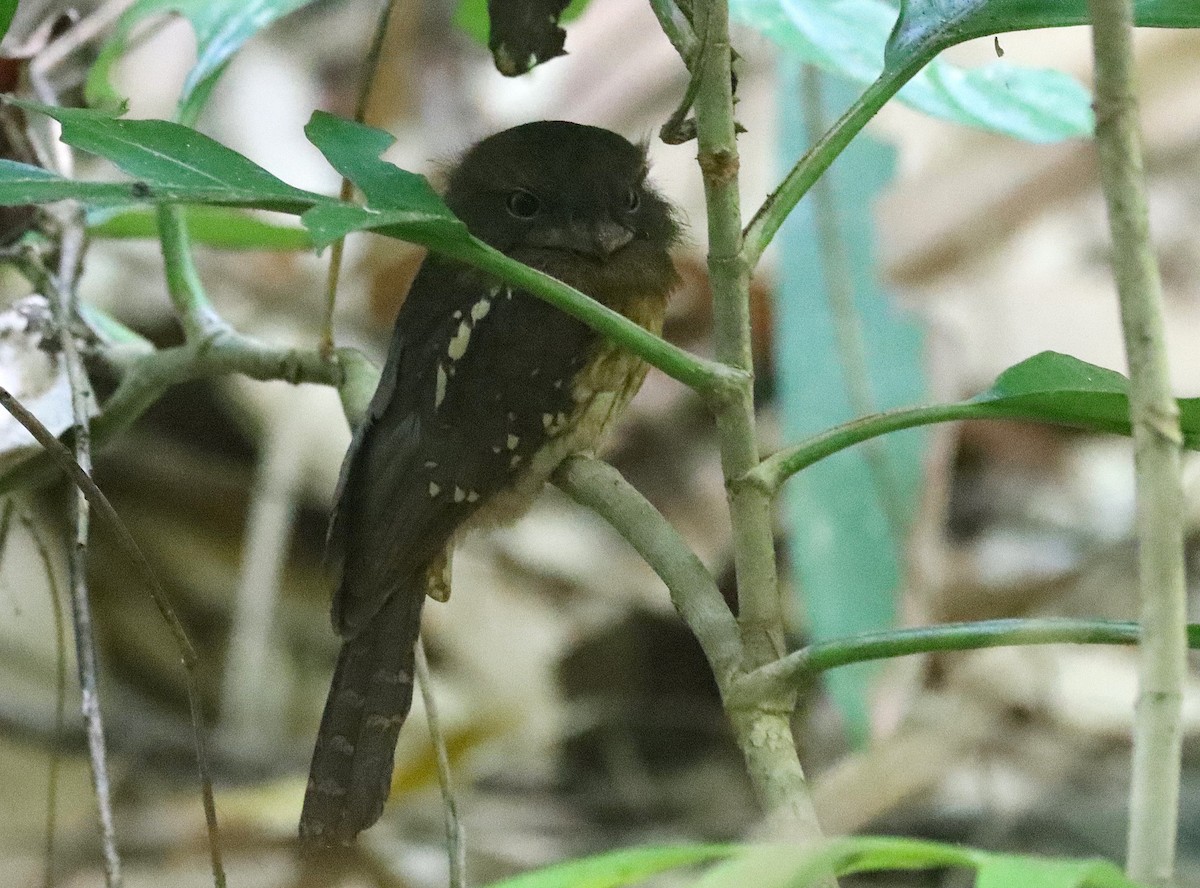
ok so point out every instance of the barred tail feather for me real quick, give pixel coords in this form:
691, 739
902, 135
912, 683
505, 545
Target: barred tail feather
368, 701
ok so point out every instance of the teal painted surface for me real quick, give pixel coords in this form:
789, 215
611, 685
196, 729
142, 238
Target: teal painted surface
843, 552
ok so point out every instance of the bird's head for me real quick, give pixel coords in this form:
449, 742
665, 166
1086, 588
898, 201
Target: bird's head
570, 199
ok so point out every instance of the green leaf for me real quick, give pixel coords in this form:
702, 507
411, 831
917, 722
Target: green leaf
618, 868
791, 866
399, 203
8, 8
1057, 388
221, 27
926, 27
353, 150
329, 221
177, 162
1007, 870
220, 227
784, 866
24, 184
847, 37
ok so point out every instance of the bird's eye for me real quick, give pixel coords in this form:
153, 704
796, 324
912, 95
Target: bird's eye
523, 204
633, 200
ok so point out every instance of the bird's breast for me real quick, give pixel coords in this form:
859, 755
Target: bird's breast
600, 391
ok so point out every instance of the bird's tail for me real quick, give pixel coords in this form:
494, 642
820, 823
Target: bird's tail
369, 700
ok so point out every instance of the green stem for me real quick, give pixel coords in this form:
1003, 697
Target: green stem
773, 471
763, 730
1154, 415
815, 658
196, 314
677, 29
759, 608
150, 375
707, 377
808, 169
112, 334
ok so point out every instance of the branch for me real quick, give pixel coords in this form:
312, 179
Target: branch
717, 382
800, 665
693, 48
455, 847
600, 487
763, 731
370, 68
808, 169
148, 376
60, 699
776, 469
62, 302
96, 499
677, 28
1158, 732
197, 315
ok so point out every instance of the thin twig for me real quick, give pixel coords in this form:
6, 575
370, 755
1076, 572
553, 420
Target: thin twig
370, 68
677, 28
97, 500
678, 129
62, 305
456, 848
198, 317
799, 666
1154, 414
149, 375
60, 701
780, 203
763, 732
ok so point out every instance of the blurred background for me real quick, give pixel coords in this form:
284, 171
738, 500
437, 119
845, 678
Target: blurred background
580, 713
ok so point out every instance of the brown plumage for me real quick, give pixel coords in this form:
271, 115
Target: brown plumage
485, 391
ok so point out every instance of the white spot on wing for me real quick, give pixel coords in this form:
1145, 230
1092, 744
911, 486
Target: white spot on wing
512, 442
459, 494
472, 496
434, 489
458, 345
440, 394
480, 309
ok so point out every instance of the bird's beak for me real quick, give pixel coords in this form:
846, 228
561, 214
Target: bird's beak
608, 237
597, 240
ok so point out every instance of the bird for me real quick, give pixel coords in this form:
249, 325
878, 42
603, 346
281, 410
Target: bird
486, 389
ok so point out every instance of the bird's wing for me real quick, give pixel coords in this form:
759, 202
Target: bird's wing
478, 378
